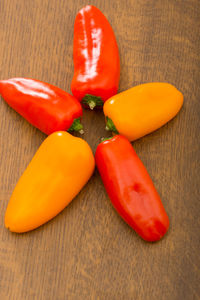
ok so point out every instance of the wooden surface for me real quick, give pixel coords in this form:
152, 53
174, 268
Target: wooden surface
88, 252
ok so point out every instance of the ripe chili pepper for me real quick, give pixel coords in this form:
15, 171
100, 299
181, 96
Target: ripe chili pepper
45, 106
142, 109
60, 168
96, 58
130, 188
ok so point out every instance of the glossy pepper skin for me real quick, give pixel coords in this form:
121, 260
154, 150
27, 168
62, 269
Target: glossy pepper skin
60, 168
96, 58
131, 189
45, 106
142, 109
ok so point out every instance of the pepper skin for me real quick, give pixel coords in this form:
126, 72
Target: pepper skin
131, 189
45, 106
60, 168
96, 58
142, 109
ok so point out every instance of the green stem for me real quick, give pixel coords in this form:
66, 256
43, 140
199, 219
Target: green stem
111, 126
76, 126
92, 101
106, 139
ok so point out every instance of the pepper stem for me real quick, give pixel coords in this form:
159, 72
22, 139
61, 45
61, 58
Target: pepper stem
106, 139
92, 101
110, 126
76, 126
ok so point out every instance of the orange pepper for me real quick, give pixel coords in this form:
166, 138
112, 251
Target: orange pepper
60, 168
142, 109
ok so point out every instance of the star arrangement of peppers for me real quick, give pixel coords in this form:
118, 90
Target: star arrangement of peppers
63, 163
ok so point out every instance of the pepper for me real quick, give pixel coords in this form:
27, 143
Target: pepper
130, 188
60, 168
45, 106
142, 109
96, 58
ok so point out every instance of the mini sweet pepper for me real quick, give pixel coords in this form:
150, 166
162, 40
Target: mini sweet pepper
142, 109
96, 58
131, 189
60, 168
45, 106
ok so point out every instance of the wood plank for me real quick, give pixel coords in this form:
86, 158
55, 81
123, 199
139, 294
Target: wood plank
88, 252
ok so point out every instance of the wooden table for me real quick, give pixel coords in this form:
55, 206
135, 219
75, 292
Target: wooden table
87, 251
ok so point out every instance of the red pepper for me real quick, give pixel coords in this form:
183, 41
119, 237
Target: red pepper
96, 58
130, 188
45, 106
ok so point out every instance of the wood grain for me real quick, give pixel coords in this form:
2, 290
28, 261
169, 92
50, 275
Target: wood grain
88, 252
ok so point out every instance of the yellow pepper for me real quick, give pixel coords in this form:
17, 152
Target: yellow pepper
60, 168
142, 109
